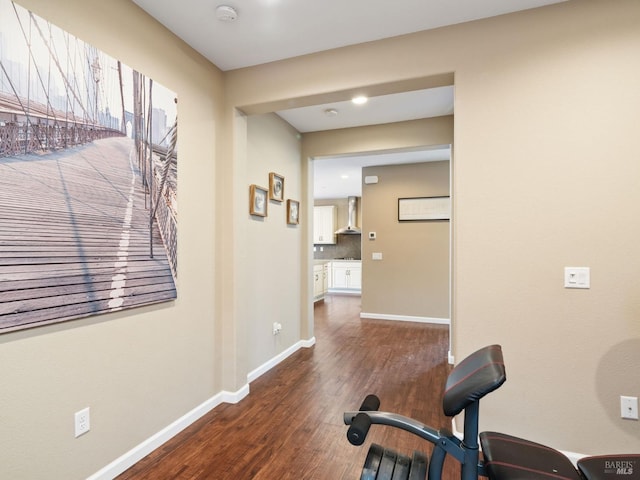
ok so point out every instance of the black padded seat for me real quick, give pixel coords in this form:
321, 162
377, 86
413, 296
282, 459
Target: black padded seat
513, 458
603, 467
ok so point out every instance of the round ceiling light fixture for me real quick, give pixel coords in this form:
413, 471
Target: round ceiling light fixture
359, 100
225, 13
331, 112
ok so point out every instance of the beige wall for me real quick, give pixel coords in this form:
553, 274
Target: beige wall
412, 279
544, 176
270, 271
141, 369
412, 134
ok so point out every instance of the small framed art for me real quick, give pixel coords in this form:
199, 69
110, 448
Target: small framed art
293, 212
276, 187
258, 201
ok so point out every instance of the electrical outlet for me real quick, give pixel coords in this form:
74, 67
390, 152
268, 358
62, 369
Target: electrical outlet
629, 407
82, 421
277, 328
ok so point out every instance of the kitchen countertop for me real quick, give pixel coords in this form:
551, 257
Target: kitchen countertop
320, 261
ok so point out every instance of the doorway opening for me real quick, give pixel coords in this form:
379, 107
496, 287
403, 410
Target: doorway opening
385, 244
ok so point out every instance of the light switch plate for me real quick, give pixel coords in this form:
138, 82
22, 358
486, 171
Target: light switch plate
629, 407
577, 277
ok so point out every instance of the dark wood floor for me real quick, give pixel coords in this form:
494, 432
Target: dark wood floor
290, 426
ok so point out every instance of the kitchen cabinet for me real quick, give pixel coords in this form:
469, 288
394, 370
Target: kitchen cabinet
346, 276
320, 280
324, 224
326, 275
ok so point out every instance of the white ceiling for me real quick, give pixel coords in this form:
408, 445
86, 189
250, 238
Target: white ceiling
433, 102
270, 30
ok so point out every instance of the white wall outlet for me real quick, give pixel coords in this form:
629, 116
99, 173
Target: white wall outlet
577, 277
376, 256
82, 421
629, 407
277, 328
451, 358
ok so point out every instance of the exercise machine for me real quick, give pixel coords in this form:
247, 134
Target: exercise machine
504, 457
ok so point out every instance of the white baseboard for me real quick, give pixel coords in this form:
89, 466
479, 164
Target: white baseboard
344, 291
140, 451
406, 318
265, 367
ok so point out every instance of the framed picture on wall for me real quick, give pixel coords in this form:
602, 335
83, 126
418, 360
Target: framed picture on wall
258, 201
424, 209
293, 212
80, 130
276, 187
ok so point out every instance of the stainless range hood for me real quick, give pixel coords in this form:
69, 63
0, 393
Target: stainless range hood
351, 228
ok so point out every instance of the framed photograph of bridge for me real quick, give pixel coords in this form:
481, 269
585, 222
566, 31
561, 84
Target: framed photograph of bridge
88, 161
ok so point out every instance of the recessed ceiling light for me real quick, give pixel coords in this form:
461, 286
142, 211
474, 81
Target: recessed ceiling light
331, 112
344, 176
225, 13
359, 100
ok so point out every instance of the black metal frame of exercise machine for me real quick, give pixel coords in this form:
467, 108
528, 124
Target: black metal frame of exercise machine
478, 374
504, 457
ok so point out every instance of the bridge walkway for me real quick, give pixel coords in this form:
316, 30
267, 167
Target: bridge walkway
74, 236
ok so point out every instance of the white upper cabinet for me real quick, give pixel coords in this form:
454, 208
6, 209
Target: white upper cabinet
324, 224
